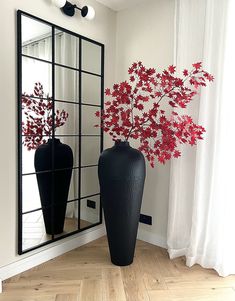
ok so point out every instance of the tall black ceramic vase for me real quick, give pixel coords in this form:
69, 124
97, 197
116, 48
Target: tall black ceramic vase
53, 186
121, 175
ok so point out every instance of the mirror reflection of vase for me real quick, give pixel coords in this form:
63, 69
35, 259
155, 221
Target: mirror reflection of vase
53, 182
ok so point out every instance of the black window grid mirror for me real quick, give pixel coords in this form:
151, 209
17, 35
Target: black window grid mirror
71, 84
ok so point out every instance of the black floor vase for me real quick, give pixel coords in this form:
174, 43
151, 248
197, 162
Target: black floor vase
53, 185
121, 175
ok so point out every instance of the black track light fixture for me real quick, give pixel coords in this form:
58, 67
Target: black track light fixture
69, 9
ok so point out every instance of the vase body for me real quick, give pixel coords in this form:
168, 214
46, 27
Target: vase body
54, 185
121, 175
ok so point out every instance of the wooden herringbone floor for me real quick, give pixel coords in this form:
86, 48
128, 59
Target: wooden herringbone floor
86, 274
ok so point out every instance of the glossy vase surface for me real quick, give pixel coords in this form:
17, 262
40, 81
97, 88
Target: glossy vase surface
53, 185
121, 174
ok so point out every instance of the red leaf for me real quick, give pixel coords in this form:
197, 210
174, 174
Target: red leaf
197, 66
107, 92
172, 69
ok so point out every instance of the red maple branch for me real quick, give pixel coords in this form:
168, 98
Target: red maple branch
134, 110
37, 117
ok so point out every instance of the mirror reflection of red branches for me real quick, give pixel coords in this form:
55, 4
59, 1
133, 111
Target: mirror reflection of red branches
135, 110
37, 122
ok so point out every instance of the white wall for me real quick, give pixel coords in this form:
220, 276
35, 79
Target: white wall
146, 33
101, 29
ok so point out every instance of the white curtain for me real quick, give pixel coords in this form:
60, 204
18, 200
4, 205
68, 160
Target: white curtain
201, 220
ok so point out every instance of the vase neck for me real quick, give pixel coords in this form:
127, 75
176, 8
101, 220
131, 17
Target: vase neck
122, 144
56, 141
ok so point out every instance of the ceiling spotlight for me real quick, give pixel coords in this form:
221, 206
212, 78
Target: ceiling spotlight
68, 8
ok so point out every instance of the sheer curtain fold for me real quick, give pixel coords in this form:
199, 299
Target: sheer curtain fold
202, 203
40, 49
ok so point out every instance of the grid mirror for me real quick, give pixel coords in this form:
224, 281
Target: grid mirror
60, 87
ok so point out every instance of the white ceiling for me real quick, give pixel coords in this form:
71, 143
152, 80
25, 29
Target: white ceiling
120, 4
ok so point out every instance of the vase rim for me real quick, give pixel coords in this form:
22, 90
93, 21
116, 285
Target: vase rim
121, 143
55, 140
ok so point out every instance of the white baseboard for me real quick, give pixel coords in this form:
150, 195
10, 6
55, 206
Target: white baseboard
152, 238
31, 261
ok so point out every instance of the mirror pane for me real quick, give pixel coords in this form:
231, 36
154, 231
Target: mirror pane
66, 84
91, 57
88, 215
90, 150
33, 229
31, 197
36, 118
36, 38
74, 186
73, 142
34, 71
88, 122
91, 89
30, 193
28, 152
66, 49
28, 156
71, 219
67, 115
89, 181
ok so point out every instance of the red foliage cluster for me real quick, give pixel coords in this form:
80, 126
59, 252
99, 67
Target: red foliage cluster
37, 108
134, 111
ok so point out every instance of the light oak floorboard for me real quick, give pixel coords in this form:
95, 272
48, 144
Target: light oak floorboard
66, 297
134, 285
91, 290
218, 294
86, 274
113, 285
